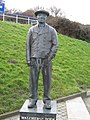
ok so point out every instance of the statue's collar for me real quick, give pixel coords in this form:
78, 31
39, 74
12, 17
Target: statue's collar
45, 29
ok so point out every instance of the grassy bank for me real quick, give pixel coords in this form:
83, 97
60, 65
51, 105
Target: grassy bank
71, 67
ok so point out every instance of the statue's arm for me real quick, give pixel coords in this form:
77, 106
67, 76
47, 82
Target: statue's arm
54, 44
28, 47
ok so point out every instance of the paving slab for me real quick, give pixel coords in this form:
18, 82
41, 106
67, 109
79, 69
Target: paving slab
62, 111
77, 110
87, 103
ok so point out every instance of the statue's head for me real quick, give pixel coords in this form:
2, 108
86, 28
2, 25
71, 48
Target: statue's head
42, 15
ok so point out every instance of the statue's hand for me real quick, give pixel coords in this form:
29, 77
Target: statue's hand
28, 63
50, 57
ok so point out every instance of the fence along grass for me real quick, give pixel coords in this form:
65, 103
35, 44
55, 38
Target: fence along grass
18, 18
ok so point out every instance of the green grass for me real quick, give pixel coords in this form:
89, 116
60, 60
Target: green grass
71, 67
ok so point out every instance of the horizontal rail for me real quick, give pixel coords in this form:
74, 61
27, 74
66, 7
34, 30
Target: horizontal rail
17, 17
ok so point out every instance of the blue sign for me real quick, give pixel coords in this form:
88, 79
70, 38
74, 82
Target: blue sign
2, 6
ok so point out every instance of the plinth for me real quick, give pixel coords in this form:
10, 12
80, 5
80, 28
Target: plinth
38, 113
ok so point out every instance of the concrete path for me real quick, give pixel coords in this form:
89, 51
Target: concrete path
87, 103
73, 109
76, 109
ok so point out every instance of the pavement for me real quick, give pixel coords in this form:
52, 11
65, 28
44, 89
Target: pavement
77, 108
87, 103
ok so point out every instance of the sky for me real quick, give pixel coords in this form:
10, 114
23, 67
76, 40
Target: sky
75, 10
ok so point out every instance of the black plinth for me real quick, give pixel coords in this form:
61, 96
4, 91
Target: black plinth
38, 113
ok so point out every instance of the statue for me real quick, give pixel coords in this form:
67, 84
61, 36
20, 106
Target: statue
41, 48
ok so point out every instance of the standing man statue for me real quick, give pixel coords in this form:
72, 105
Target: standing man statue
41, 48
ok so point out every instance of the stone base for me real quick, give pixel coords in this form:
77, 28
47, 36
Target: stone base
38, 113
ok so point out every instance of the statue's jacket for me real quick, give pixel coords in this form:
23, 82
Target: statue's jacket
41, 44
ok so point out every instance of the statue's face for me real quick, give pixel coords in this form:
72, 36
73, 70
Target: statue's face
42, 18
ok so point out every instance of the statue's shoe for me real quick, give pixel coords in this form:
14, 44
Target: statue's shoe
47, 104
32, 103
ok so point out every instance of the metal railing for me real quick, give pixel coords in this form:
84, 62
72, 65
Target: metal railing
18, 18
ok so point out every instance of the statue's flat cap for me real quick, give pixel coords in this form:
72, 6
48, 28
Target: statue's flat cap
42, 11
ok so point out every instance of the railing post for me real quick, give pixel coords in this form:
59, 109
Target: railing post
16, 18
28, 20
3, 17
